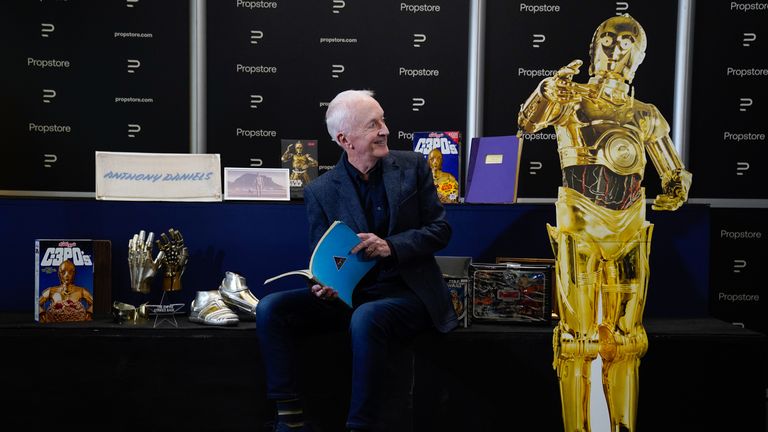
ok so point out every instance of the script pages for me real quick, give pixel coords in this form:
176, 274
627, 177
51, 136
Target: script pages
333, 265
494, 166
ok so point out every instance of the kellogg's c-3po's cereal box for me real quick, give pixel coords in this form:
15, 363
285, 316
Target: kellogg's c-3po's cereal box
64, 280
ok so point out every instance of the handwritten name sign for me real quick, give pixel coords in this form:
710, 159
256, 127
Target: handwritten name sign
125, 176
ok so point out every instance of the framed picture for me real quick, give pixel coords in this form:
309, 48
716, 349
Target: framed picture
257, 184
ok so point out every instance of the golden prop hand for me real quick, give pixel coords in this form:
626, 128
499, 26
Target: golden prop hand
560, 87
175, 259
675, 191
142, 267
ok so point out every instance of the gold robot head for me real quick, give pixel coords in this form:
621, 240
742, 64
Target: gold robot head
299, 147
435, 159
618, 48
66, 273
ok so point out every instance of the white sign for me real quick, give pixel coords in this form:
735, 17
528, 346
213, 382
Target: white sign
158, 176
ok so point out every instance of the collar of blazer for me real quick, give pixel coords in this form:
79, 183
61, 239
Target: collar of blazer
346, 193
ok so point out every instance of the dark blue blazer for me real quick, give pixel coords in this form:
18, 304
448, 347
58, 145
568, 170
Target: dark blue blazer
417, 225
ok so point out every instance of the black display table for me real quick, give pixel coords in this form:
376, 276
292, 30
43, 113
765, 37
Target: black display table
698, 374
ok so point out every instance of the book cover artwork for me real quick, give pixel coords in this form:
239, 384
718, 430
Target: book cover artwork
455, 271
332, 264
494, 163
64, 275
457, 289
443, 152
300, 157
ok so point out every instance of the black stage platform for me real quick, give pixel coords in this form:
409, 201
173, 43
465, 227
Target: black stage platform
698, 374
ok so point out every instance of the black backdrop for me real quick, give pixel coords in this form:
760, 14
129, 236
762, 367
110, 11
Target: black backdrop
296, 56
521, 43
117, 78
729, 37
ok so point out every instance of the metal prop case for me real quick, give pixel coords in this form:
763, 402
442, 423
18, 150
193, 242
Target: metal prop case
602, 240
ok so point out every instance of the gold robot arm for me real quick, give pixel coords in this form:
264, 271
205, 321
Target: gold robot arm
88, 300
44, 298
287, 154
550, 101
675, 180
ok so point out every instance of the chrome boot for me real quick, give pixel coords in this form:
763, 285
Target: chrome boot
236, 294
208, 308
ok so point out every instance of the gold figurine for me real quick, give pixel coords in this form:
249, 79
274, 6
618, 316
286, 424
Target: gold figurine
602, 240
300, 164
446, 184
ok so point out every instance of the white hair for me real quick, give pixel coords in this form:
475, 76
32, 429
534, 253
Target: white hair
340, 113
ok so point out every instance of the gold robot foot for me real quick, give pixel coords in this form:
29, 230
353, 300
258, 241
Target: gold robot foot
208, 308
237, 296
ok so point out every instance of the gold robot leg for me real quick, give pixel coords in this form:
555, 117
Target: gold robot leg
575, 339
623, 340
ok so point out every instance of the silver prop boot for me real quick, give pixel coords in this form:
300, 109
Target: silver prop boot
236, 294
208, 308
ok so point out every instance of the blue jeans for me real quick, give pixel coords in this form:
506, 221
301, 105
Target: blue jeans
383, 314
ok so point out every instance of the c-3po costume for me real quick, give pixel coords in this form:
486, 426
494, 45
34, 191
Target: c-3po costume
602, 240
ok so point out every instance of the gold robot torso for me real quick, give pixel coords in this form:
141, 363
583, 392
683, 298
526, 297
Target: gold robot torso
447, 187
601, 142
301, 163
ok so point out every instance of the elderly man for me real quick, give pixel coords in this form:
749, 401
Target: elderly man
389, 198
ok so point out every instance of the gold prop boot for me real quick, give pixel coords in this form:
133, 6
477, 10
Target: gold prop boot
208, 308
236, 294
124, 313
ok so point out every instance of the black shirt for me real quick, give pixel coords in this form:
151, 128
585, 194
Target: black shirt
373, 199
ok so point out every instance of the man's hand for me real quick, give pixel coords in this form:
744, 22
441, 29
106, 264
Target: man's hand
142, 267
324, 292
372, 245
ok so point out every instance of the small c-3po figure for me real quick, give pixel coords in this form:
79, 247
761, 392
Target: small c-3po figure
602, 240
446, 184
300, 164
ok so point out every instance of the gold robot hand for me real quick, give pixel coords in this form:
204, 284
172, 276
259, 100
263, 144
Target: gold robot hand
675, 186
548, 103
560, 87
141, 266
287, 154
174, 260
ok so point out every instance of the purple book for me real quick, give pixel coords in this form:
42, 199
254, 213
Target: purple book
493, 166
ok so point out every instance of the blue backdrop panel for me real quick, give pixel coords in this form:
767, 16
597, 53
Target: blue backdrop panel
261, 240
